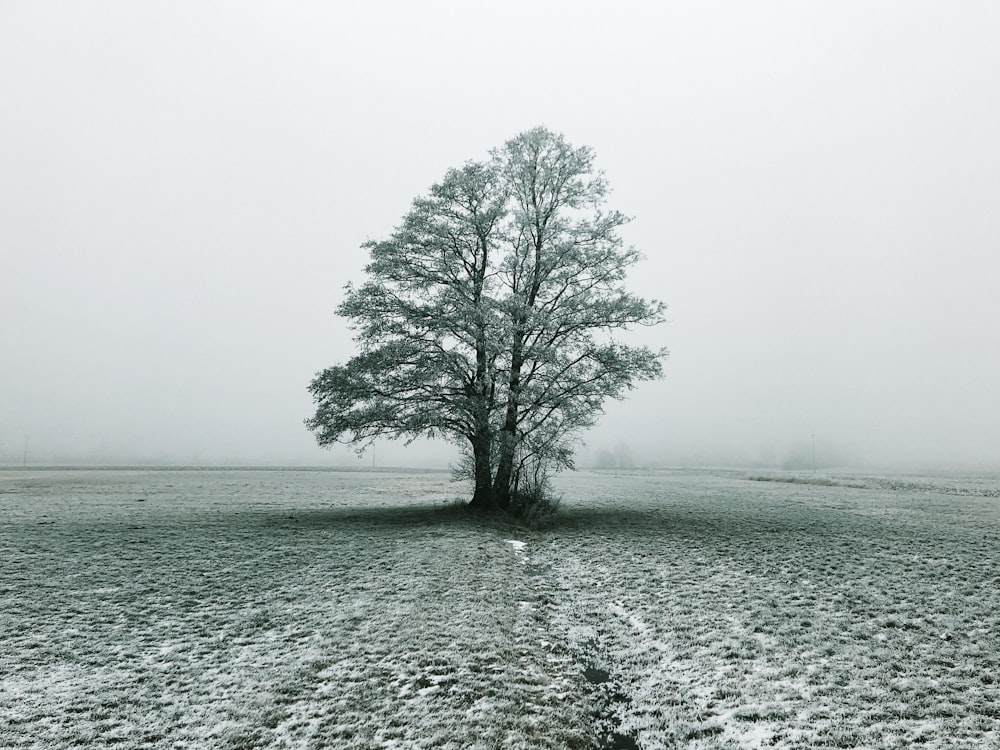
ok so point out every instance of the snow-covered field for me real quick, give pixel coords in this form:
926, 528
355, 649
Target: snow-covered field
310, 609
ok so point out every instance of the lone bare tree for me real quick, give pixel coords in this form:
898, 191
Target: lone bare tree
488, 318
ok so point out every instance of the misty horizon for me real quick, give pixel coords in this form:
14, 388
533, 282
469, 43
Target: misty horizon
186, 191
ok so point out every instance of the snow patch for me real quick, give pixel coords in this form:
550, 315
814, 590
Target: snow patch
519, 549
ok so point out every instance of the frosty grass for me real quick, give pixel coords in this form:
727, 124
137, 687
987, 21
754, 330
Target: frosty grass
319, 609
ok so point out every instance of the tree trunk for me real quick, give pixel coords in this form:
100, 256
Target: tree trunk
483, 497
505, 469
508, 441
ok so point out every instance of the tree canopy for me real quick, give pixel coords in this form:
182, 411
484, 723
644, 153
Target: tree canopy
488, 318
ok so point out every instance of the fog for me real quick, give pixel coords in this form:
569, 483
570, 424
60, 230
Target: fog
184, 189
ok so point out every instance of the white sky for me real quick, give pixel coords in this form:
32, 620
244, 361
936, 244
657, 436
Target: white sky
184, 188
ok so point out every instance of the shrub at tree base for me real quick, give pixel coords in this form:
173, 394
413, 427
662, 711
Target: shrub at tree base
488, 318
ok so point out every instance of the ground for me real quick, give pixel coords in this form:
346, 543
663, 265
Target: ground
732, 613
670, 609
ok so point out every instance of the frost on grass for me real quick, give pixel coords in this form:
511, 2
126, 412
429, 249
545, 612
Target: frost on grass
267, 610
731, 615
313, 609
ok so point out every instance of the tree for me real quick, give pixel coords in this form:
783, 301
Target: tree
488, 318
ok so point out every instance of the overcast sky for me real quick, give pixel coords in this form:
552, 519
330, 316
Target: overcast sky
184, 189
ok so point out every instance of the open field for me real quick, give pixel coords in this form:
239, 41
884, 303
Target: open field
308, 609
744, 614
250, 609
